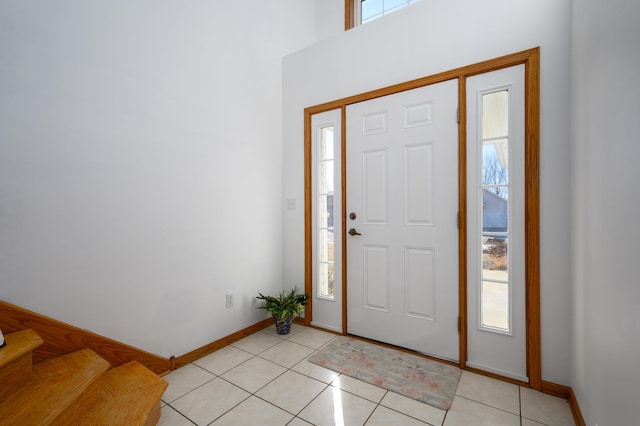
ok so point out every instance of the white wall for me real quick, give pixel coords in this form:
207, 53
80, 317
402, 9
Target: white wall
141, 162
329, 18
606, 208
424, 39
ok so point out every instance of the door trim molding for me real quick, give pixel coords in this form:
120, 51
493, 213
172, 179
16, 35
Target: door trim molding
531, 60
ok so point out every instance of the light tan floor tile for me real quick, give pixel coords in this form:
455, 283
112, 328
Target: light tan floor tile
170, 417
253, 374
465, 412
298, 422
488, 391
254, 411
312, 338
291, 391
360, 388
425, 412
256, 343
184, 380
223, 359
336, 407
382, 416
546, 409
210, 401
314, 370
527, 422
286, 353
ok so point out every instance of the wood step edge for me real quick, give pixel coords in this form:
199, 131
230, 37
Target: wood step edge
62, 389
18, 344
130, 395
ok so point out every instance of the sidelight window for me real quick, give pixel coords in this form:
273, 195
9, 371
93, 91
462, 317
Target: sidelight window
495, 283
325, 213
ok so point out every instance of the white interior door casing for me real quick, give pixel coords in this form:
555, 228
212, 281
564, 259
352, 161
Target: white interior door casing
499, 351
402, 185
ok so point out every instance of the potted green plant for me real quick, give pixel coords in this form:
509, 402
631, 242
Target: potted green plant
284, 307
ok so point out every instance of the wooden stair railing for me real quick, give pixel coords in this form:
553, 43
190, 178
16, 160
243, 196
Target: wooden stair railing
77, 388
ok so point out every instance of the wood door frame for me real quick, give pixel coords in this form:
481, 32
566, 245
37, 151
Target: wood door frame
531, 61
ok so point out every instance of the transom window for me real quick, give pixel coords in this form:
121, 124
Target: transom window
368, 10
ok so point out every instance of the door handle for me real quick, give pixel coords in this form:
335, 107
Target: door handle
353, 232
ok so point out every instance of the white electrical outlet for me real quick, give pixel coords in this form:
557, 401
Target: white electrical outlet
229, 300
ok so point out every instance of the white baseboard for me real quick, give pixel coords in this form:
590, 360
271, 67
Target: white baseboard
328, 327
497, 371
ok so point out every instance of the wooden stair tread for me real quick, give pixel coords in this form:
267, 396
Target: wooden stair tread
18, 343
57, 385
77, 388
130, 396
16, 360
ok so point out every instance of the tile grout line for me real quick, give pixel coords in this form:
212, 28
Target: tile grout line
409, 415
520, 403
215, 376
182, 414
230, 409
309, 403
487, 405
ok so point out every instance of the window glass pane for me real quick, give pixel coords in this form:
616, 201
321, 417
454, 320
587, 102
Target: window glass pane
371, 9
495, 258
325, 177
325, 264
323, 212
323, 249
392, 4
495, 209
495, 305
325, 280
501, 191
326, 143
325, 240
495, 162
330, 245
495, 114
330, 212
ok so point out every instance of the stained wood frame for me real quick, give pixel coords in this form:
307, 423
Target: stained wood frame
531, 61
349, 14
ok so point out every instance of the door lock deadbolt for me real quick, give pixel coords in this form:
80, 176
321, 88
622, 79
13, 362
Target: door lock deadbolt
352, 216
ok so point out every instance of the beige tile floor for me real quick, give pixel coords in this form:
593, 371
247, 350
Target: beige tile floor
265, 379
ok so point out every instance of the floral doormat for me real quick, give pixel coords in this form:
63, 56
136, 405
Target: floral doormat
428, 381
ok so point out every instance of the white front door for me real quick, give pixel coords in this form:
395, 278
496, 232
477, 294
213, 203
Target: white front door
402, 204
